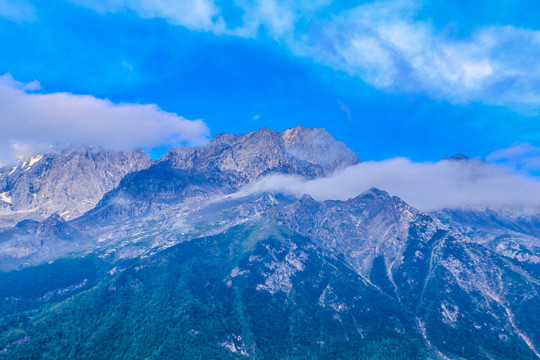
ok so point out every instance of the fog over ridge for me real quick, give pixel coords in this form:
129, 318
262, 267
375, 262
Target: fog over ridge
425, 185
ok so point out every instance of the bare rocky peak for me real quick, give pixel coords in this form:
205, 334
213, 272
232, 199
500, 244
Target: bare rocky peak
303, 151
458, 157
373, 223
317, 146
68, 183
222, 166
464, 159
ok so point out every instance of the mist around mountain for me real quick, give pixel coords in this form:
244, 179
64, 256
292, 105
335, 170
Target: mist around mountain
201, 255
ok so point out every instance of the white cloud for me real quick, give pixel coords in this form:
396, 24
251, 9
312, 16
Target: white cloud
18, 10
427, 186
521, 156
382, 43
199, 15
385, 45
32, 122
277, 18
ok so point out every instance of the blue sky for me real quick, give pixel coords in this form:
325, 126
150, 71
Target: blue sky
416, 79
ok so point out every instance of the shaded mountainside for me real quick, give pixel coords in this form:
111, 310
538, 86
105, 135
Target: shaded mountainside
147, 192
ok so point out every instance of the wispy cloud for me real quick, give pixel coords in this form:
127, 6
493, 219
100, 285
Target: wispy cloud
520, 156
32, 122
18, 11
199, 15
427, 186
345, 109
386, 46
383, 43
280, 19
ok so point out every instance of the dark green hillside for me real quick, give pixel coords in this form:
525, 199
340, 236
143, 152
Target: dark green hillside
48, 283
273, 296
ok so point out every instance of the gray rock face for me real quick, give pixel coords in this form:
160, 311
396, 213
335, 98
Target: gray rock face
69, 183
241, 159
317, 146
74, 181
228, 162
436, 274
370, 225
30, 240
515, 236
186, 178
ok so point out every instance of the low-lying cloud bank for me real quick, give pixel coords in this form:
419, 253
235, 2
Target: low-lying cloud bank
33, 122
427, 186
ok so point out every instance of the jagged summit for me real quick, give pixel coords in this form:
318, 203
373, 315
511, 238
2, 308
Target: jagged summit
374, 192
68, 183
458, 157
317, 146
300, 150
372, 224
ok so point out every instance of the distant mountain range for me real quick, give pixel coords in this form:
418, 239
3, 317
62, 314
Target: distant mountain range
113, 255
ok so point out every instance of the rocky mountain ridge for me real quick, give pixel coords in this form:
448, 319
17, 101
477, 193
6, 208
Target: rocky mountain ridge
72, 182
241, 159
342, 259
266, 275
68, 183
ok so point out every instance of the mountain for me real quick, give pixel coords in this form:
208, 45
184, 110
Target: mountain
68, 183
183, 180
458, 157
222, 167
437, 276
240, 159
513, 235
370, 277
177, 261
510, 231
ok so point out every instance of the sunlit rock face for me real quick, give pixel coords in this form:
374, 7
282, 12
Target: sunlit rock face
318, 147
223, 166
68, 183
242, 159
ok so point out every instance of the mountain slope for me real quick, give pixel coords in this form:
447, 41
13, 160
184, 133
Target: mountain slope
68, 183
453, 286
513, 235
176, 262
252, 292
370, 277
